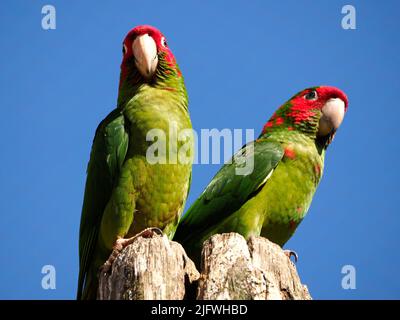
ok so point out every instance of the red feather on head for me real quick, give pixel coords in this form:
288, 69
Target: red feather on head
299, 109
157, 36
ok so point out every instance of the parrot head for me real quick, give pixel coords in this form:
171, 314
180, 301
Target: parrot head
316, 111
146, 58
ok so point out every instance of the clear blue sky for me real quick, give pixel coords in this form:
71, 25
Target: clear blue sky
240, 61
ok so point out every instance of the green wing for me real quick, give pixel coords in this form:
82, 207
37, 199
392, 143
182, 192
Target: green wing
108, 153
228, 191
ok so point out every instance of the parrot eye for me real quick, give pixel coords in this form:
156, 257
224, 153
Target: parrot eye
164, 42
124, 49
312, 95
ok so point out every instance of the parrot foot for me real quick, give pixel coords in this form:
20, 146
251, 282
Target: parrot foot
149, 233
290, 254
122, 243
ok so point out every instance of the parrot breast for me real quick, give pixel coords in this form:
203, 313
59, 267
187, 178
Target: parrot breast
289, 192
161, 187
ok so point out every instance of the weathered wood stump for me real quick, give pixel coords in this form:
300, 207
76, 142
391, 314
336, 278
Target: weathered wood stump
232, 268
148, 269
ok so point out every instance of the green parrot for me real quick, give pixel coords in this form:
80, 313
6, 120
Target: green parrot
128, 187
287, 162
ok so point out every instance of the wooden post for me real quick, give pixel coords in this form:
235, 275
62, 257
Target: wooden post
148, 269
232, 268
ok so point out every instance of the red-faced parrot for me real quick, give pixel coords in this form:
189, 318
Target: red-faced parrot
273, 199
126, 191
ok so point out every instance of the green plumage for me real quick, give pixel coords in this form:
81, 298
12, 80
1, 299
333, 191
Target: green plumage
124, 193
253, 204
275, 197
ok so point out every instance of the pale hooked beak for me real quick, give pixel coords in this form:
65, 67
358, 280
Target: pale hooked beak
332, 116
145, 52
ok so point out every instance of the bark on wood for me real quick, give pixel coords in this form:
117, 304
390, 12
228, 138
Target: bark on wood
258, 269
148, 269
156, 268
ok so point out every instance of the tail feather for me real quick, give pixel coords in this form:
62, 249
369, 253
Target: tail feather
88, 290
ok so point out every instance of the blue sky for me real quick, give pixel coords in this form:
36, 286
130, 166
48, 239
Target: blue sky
240, 62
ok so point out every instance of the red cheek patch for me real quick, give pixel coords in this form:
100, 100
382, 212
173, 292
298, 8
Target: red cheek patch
279, 121
300, 117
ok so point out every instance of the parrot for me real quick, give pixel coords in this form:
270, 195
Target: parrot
129, 190
273, 198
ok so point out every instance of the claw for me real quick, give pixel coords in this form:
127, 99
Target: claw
121, 243
290, 254
105, 268
149, 232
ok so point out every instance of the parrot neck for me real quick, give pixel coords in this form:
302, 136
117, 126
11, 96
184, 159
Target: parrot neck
325, 141
167, 77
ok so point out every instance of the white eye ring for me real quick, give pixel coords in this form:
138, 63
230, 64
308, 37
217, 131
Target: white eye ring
124, 49
163, 42
312, 95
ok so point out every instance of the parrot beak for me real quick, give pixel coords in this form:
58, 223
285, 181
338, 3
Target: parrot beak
145, 53
332, 116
